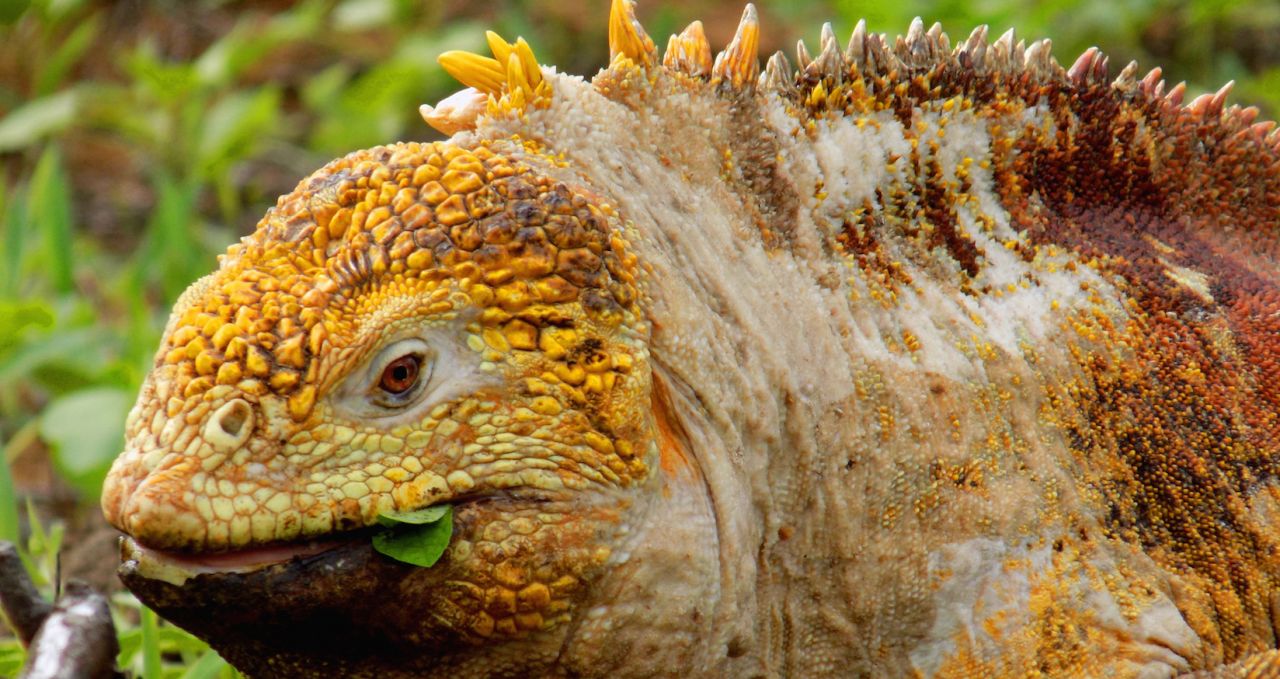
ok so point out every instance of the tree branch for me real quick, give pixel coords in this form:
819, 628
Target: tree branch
77, 639
23, 606
72, 640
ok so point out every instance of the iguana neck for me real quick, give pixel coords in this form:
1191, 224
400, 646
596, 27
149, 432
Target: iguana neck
825, 281
674, 174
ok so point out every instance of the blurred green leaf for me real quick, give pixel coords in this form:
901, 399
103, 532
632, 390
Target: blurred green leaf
177, 641
172, 255
54, 69
49, 211
151, 655
360, 15
167, 82
322, 90
11, 10
231, 54
85, 430
380, 105
8, 502
16, 317
251, 42
76, 350
1265, 87
372, 110
208, 666
11, 227
57, 9
11, 657
39, 118
235, 125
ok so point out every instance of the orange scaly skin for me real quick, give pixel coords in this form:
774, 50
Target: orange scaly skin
913, 361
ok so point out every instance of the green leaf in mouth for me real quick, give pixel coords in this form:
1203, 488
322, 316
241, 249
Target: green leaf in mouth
418, 537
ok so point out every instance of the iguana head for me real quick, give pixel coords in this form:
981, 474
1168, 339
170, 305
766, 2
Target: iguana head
414, 325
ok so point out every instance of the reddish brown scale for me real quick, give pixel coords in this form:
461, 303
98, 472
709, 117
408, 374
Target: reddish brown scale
858, 236
940, 211
1176, 423
1193, 442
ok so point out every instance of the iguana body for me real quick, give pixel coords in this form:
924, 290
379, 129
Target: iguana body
915, 361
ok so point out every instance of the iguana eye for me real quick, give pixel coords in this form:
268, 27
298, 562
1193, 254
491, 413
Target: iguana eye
400, 375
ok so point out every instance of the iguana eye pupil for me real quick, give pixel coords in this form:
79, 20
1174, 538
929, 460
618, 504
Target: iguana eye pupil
400, 375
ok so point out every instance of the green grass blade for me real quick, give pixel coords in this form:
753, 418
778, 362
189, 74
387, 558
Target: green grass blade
11, 227
49, 211
209, 666
11, 657
151, 667
10, 523
173, 254
38, 539
8, 502
36, 557
54, 69
130, 640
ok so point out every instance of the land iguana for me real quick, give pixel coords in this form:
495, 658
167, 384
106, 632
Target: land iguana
908, 359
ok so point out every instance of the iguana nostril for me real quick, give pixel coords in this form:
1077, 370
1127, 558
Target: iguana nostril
234, 417
229, 427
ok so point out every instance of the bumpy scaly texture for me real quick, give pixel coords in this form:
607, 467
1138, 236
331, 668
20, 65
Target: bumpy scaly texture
905, 360
524, 271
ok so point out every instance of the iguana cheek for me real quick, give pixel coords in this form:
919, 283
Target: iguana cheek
516, 572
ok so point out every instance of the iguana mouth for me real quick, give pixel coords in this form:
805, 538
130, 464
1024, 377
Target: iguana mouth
237, 561
177, 567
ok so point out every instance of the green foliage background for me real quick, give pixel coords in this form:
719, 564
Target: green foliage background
138, 140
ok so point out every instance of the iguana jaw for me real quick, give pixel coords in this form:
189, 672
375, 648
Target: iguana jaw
348, 611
